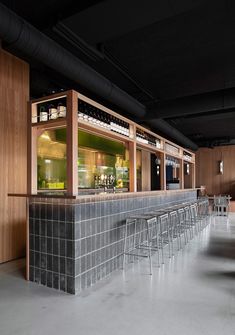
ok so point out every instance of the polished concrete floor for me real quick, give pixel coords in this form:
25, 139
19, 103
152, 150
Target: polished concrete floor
192, 294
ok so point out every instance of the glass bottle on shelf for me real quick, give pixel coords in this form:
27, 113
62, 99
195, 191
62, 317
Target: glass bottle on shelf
80, 110
61, 110
112, 124
43, 115
53, 114
145, 138
107, 121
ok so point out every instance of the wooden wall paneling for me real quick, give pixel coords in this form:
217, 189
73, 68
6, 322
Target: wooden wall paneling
232, 206
189, 179
146, 170
163, 170
193, 175
207, 170
14, 94
181, 173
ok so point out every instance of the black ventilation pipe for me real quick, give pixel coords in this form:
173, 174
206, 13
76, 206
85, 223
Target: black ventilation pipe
173, 133
24, 37
197, 104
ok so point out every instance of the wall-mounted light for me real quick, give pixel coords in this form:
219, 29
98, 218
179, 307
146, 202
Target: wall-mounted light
158, 162
221, 167
187, 168
158, 170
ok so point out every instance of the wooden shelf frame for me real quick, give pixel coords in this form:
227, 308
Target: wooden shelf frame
73, 123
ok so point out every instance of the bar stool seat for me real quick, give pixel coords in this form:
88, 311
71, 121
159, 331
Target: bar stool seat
145, 231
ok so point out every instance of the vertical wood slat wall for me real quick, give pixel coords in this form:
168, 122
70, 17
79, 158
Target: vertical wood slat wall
146, 170
207, 170
14, 94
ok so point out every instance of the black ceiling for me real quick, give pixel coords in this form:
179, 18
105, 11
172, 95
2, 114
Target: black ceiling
175, 57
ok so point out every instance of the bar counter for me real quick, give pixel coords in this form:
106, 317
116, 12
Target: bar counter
76, 241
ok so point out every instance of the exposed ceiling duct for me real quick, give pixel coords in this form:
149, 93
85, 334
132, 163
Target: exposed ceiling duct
173, 133
24, 37
197, 104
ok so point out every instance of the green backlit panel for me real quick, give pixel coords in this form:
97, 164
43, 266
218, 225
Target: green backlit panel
93, 141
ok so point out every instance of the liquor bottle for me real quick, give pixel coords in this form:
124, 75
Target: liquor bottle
43, 115
127, 129
112, 124
61, 110
107, 121
145, 140
53, 114
96, 181
122, 128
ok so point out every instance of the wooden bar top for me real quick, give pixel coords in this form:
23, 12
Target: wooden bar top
101, 196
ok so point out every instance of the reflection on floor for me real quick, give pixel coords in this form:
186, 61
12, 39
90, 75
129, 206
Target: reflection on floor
192, 294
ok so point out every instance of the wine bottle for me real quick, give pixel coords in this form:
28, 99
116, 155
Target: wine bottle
61, 110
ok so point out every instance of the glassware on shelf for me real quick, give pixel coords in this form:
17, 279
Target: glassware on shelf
171, 161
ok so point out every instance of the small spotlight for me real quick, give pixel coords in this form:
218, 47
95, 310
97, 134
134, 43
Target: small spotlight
221, 167
187, 168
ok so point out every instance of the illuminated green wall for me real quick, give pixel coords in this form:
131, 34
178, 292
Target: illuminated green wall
93, 141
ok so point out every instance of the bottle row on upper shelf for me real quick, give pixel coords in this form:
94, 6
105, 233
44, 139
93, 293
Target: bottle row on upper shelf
100, 118
187, 156
89, 113
146, 138
49, 111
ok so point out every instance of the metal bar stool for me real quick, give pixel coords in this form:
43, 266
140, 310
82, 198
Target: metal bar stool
163, 231
203, 211
196, 220
182, 231
172, 226
165, 234
174, 229
188, 221
145, 230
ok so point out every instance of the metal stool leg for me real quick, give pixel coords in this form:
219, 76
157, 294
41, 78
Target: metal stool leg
124, 253
149, 243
